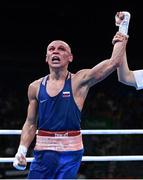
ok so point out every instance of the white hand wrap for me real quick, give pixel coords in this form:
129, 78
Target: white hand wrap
124, 25
22, 150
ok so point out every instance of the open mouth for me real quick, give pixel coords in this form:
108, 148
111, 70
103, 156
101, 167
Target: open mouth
55, 59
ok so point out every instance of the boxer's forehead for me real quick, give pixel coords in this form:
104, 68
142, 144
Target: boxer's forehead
59, 43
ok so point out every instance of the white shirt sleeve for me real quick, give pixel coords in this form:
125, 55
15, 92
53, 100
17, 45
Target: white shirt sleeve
138, 74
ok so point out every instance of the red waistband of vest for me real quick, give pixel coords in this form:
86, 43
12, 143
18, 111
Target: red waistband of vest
58, 133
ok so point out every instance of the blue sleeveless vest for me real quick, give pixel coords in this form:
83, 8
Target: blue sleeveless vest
58, 113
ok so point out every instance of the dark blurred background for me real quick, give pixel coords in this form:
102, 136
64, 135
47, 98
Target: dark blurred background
26, 28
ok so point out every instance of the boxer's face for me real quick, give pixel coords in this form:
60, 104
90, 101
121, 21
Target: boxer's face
58, 54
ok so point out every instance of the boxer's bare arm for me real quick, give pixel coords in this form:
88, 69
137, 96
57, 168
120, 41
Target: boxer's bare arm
86, 78
99, 72
30, 125
29, 128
